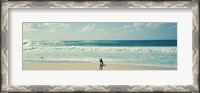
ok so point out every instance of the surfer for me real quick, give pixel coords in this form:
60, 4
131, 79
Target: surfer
101, 64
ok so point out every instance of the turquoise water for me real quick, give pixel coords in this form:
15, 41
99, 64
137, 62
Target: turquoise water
113, 43
131, 52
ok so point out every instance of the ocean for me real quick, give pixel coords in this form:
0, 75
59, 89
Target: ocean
131, 52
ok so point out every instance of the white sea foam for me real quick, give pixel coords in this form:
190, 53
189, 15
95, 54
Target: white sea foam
135, 49
165, 56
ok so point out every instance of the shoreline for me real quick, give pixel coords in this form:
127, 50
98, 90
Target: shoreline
87, 66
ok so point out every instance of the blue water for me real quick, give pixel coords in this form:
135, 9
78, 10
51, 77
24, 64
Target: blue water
117, 43
131, 52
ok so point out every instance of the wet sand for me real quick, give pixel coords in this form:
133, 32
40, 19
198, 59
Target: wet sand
86, 66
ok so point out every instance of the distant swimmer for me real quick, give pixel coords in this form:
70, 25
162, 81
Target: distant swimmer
101, 64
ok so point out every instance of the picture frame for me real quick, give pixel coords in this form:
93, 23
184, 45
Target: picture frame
6, 5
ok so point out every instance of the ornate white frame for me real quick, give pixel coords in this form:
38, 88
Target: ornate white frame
5, 87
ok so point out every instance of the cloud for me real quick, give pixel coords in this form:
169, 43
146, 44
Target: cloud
51, 27
62, 25
142, 26
148, 25
87, 28
99, 30
127, 26
28, 27
67, 26
47, 24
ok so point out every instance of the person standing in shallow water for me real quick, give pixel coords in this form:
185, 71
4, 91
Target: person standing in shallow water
101, 64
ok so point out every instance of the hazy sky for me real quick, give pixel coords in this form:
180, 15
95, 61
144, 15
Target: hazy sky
99, 31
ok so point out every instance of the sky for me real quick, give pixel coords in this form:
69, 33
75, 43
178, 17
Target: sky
40, 31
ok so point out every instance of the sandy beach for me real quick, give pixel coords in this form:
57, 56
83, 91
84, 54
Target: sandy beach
86, 66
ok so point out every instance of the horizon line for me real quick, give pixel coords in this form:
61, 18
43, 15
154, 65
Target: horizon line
99, 40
